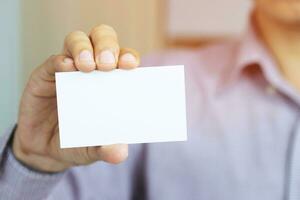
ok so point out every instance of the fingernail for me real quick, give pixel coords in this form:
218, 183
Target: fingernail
68, 61
106, 57
128, 58
86, 56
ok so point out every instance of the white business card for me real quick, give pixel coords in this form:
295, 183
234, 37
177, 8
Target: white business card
142, 105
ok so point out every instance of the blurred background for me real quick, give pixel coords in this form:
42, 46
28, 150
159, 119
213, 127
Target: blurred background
33, 30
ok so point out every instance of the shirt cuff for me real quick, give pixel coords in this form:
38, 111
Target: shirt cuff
17, 181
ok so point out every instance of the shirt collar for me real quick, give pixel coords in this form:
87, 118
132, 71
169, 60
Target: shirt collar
251, 51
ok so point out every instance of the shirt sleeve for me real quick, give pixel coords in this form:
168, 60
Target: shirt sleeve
20, 182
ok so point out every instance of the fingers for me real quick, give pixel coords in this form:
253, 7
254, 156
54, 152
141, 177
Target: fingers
79, 47
100, 50
55, 63
85, 155
106, 47
128, 59
59, 63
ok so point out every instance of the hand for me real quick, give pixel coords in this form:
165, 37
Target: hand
36, 139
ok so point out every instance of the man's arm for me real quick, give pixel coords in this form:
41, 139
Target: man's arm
35, 141
18, 181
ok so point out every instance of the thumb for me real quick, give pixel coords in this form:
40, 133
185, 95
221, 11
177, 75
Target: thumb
113, 154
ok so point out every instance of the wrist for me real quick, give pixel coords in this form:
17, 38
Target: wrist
34, 161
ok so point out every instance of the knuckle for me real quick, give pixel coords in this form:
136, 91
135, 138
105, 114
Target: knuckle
56, 61
102, 27
51, 60
52, 57
103, 30
33, 85
78, 44
59, 66
105, 26
104, 38
73, 35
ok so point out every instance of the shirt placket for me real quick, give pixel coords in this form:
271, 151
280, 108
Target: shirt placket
292, 183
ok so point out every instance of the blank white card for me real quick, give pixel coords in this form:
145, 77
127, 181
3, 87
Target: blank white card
142, 105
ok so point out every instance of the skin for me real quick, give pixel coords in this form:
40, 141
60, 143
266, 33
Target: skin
36, 141
278, 23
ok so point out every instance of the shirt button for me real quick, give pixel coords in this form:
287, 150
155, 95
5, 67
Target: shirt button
270, 90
